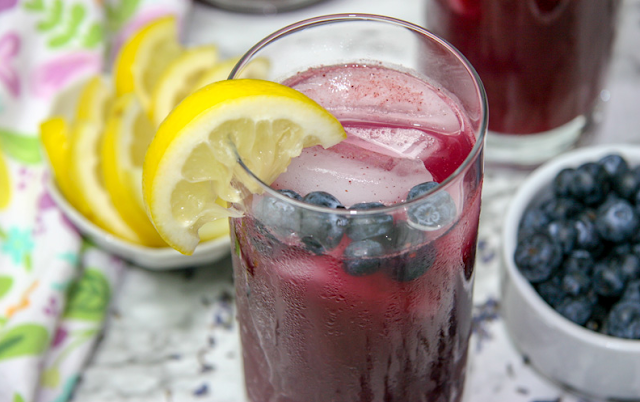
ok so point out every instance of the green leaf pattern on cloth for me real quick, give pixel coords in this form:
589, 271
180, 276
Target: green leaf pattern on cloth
89, 297
64, 21
24, 148
25, 339
119, 12
5, 285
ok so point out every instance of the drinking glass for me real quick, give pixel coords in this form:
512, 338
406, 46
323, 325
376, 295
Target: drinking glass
543, 63
365, 303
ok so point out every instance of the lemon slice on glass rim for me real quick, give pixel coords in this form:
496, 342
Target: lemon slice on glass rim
194, 158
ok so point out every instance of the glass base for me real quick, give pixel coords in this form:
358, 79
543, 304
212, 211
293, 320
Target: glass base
533, 149
260, 6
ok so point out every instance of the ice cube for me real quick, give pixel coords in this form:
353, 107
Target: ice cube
369, 93
354, 174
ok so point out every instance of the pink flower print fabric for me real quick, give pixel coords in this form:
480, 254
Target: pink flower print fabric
9, 46
55, 289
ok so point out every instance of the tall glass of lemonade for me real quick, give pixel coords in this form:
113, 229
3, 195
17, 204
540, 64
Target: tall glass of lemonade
354, 269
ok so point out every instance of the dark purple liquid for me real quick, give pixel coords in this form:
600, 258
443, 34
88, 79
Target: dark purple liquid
542, 62
311, 332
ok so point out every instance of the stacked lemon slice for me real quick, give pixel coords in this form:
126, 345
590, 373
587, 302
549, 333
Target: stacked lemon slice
97, 153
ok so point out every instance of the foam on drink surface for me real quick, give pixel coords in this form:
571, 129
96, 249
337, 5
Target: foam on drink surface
395, 123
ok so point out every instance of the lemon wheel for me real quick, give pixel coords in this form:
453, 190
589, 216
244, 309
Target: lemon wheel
127, 135
193, 158
143, 59
178, 79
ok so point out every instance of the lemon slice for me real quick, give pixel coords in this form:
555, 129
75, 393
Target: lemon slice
144, 57
178, 79
257, 69
127, 135
5, 183
86, 173
193, 158
94, 101
55, 138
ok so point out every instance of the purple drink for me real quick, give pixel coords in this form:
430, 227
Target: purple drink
376, 304
541, 61
543, 64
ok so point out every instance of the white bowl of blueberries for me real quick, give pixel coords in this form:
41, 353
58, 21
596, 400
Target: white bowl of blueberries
571, 278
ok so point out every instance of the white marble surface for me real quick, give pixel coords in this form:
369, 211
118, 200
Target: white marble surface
172, 336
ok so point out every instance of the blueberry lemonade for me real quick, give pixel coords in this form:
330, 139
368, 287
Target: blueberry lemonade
352, 181
354, 272
362, 307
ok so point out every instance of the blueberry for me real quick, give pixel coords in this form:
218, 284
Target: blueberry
404, 237
580, 261
576, 283
632, 291
564, 233
621, 249
561, 208
533, 220
591, 184
624, 320
421, 189
314, 245
537, 257
629, 265
551, 291
369, 226
362, 257
279, 216
433, 212
635, 249
264, 242
617, 220
291, 194
626, 185
322, 199
587, 236
608, 279
577, 310
615, 165
411, 264
322, 231
562, 182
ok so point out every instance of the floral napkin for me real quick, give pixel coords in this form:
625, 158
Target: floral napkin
54, 287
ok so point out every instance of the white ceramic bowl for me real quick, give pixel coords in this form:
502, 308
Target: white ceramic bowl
583, 360
148, 257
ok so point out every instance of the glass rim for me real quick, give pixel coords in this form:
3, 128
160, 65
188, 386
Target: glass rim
352, 17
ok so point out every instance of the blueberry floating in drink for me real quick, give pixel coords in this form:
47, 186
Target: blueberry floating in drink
368, 226
320, 231
434, 212
280, 216
363, 257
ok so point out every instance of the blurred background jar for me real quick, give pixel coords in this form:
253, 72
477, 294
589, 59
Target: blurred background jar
260, 6
543, 64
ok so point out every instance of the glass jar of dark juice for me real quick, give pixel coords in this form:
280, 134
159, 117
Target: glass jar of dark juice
542, 62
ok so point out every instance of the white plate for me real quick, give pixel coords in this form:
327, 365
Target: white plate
158, 259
